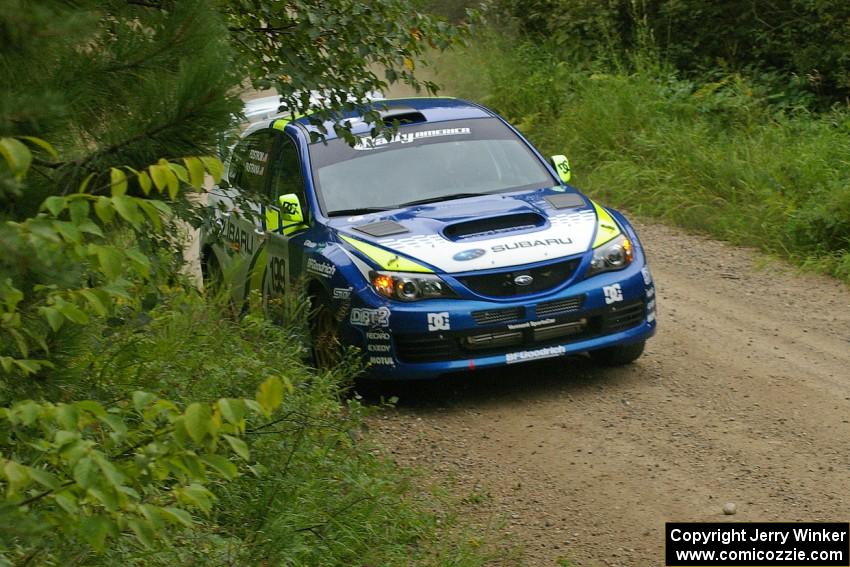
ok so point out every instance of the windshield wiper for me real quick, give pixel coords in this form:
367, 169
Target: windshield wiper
441, 198
358, 211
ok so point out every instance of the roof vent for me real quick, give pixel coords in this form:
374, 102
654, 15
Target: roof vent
404, 115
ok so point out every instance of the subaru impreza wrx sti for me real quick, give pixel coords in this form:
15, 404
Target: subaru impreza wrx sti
451, 245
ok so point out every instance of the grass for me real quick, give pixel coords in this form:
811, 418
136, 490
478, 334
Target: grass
317, 491
718, 157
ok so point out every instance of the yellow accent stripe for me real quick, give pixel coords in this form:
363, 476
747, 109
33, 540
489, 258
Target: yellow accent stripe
606, 227
281, 123
386, 259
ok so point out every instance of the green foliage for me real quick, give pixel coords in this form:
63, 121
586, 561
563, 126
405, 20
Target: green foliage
138, 424
718, 157
65, 264
314, 490
800, 45
343, 49
91, 474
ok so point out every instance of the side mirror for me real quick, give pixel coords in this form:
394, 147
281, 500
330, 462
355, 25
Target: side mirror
562, 166
290, 208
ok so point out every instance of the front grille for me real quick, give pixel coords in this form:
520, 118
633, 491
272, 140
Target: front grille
621, 317
560, 306
495, 316
502, 284
434, 347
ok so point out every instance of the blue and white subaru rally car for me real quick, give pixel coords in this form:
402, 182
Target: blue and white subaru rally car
451, 246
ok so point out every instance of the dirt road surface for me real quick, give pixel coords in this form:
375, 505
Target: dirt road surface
743, 396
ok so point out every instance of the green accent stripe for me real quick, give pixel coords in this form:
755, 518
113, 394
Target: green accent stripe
386, 259
606, 226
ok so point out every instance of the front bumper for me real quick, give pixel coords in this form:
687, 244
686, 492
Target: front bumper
428, 338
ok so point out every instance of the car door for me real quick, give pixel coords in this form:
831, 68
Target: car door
241, 209
283, 257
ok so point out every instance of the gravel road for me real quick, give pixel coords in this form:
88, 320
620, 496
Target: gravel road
743, 396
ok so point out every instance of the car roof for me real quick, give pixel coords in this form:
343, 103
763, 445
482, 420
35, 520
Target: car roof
432, 109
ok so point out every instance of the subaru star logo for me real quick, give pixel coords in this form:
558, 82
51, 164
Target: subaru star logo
523, 280
470, 254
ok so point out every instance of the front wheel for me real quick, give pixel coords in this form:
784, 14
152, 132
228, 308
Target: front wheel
324, 334
619, 355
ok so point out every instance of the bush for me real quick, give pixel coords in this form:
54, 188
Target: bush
718, 156
309, 488
801, 41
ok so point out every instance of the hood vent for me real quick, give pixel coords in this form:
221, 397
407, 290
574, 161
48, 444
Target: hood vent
494, 226
381, 228
565, 201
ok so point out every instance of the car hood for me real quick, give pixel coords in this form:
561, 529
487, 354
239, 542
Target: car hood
481, 233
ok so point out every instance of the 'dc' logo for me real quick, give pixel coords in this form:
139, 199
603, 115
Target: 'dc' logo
471, 254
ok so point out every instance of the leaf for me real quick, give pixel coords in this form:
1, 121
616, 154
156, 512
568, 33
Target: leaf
43, 478
197, 420
85, 183
53, 316
152, 211
67, 416
66, 502
118, 182
104, 209
232, 410
239, 447
30, 366
270, 394
196, 495
111, 261
96, 302
79, 209
214, 166
221, 465
55, 205
95, 530
85, 472
17, 155
159, 175
179, 171
72, 312
92, 407
43, 144
196, 172
114, 422
17, 477
143, 263
141, 400
111, 473
177, 516
128, 209
173, 184
144, 182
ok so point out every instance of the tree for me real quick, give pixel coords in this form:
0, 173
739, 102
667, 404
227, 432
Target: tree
109, 112
115, 85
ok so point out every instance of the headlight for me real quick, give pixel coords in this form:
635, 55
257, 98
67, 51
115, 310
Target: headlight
613, 255
410, 287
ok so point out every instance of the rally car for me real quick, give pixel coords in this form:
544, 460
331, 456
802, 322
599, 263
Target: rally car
450, 245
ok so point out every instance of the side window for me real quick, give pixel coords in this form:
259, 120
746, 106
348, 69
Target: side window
249, 164
286, 172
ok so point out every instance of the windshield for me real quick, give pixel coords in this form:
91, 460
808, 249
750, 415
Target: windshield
424, 163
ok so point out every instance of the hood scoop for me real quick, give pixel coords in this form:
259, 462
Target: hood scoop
381, 228
565, 201
494, 226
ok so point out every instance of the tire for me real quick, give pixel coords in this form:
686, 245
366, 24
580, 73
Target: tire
211, 273
324, 334
619, 355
